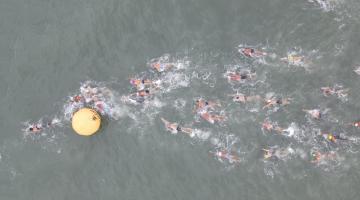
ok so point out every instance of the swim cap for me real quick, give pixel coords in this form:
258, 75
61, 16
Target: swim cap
315, 156
330, 137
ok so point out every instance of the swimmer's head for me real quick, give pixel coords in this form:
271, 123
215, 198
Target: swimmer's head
356, 124
327, 91
155, 65
243, 76
267, 154
331, 138
147, 91
77, 98
31, 129
315, 155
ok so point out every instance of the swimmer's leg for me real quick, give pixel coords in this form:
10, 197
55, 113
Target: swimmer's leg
165, 121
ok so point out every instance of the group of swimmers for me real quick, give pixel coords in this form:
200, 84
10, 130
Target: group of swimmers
337, 90
209, 110
146, 88
90, 95
99, 98
204, 108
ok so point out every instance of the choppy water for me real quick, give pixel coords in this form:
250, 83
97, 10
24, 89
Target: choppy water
50, 50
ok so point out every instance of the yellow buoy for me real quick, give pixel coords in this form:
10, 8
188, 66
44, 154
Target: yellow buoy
86, 121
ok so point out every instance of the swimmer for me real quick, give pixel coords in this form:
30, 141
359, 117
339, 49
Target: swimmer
138, 97
237, 77
40, 126
276, 101
356, 124
317, 157
211, 118
314, 113
174, 128
239, 97
35, 128
294, 59
327, 91
91, 94
281, 153
337, 90
140, 84
76, 99
227, 155
269, 126
252, 53
201, 104
87, 90
161, 67
102, 107
268, 153
142, 93
331, 137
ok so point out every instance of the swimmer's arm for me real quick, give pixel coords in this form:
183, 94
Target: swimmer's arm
261, 53
235, 157
133, 94
306, 110
196, 109
213, 104
284, 59
268, 104
169, 65
279, 129
219, 117
253, 98
187, 130
165, 121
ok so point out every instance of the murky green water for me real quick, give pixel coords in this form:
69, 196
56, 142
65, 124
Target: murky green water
49, 48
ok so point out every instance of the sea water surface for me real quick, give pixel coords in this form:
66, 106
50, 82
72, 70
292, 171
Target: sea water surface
49, 49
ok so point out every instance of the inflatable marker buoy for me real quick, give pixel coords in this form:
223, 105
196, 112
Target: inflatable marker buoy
86, 121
